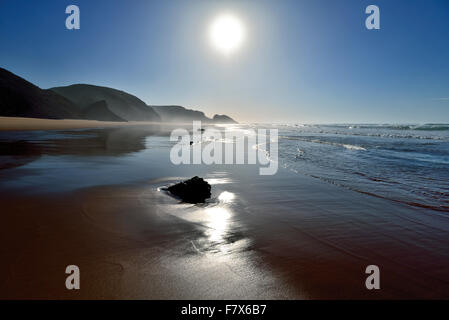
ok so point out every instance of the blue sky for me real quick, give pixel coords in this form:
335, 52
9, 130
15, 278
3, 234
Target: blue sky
302, 61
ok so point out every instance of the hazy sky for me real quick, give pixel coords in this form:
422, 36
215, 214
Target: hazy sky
301, 61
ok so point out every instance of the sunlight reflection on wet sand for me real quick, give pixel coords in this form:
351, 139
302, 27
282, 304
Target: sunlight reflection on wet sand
217, 223
216, 219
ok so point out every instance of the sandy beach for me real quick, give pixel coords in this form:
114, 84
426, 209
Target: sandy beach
92, 198
20, 124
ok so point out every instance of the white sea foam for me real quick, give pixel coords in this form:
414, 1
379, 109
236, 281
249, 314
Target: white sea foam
351, 147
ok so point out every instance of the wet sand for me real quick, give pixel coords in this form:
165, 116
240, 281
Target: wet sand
286, 236
126, 248
134, 242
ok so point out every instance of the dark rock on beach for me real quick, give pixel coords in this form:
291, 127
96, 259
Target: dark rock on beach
195, 190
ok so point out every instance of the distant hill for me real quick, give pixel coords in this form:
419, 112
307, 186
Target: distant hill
180, 114
20, 98
100, 111
121, 104
221, 118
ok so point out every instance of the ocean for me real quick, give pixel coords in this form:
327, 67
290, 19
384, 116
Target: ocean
402, 163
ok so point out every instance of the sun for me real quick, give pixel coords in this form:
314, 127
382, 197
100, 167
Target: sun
227, 33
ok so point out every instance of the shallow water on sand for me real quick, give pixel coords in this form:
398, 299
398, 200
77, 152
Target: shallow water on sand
97, 192
406, 163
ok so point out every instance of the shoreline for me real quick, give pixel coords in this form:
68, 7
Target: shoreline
35, 124
91, 198
30, 124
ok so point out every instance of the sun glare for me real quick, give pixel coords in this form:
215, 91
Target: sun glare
227, 33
